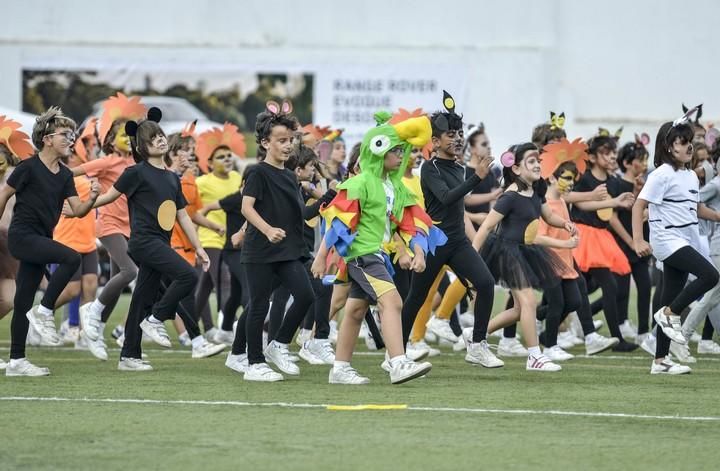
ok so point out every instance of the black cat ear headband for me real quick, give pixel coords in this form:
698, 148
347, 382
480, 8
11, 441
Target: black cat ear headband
440, 122
153, 114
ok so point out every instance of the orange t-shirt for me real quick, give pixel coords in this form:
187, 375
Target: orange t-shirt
179, 240
113, 218
78, 233
560, 208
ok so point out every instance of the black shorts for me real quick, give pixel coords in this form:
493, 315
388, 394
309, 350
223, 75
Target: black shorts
88, 265
369, 278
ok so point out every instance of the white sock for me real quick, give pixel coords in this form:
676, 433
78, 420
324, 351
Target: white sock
340, 364
96, 307
198, 341
534, 351
44, 311
154, 319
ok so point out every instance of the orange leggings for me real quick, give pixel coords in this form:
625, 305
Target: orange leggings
419, 327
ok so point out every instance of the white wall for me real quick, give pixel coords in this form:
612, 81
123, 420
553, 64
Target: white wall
605, 63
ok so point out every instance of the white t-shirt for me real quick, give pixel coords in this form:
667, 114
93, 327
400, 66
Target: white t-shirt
673, 197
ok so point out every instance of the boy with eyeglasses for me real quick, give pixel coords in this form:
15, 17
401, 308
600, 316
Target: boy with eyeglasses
41, 184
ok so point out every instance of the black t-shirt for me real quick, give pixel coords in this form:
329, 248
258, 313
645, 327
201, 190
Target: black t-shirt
616, 187
232, 205
599, 218
279, 202
39, 196
154, 196
444, 186
311, 214
522, 213
486, 185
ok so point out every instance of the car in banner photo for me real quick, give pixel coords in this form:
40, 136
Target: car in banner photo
177, 113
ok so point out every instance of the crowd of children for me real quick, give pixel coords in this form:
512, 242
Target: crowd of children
409, 256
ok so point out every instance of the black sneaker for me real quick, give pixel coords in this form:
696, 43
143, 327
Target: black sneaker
625, 347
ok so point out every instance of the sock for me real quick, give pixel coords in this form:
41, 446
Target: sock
534, 351
340, 364
198, 341
44, 311
396, 360
184, 336
153, 319
96, 308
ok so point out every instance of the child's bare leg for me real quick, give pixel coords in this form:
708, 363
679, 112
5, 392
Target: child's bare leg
350, 328
525, 298
339, 298
390, 305
505, 318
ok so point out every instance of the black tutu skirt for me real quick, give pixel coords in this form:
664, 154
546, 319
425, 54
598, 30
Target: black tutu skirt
520, 266
8, 265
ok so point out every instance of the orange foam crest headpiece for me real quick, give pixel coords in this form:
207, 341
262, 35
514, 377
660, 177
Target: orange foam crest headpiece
15, 140
189, 130
120, 106
402, 115
88, 131
558, 153
209, 141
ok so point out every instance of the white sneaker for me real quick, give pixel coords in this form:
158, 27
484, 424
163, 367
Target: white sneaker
441, 328
596, 343
133, 364
279, 354
157, 333
23, 367
303, 336
555, 353
207, 350
497, 334
539, 327
210, 334
97, 348
35, 340
319, 350
261, 372
89, 322
511, 348
598, 324
417, 352
3, 364
405, 370
670, 326
44, 326
370, 342
421, 345
430, 337
68, 334
667, 367
224, 337
184, 340
385, 365
567, 340
346, 375
682, 352
708, 347
120, 341
695, 337
364, 330
628, 330
480, 354
649, 344
541, 363
467, 319
460, 345
237, 363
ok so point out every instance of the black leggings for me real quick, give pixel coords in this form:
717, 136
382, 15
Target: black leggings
219, 277
238, 293
155, 260
605, 279
676, 295
319, 311
641, 275
185, 309
562, 299
467, 264
291, 274
34, 252
280, 297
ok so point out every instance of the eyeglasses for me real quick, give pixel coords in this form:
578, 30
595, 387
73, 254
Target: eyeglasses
67, 135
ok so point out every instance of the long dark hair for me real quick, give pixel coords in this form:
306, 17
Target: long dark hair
667, 134
509, 177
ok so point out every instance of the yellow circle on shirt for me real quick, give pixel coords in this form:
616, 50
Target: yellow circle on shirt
531, 232
166, 215
605, 214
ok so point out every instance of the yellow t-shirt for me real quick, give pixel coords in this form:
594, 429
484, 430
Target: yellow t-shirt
413, 184
212, 189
